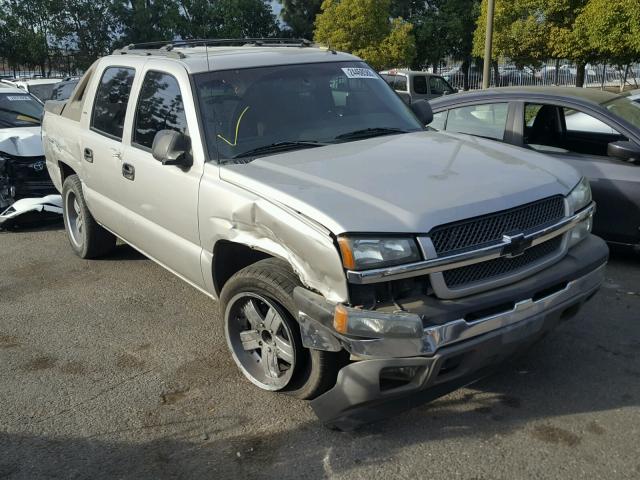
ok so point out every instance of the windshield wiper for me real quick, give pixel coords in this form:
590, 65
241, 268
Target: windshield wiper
370, 132
280, 147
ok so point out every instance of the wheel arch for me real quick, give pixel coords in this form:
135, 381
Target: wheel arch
229, 258
65, 171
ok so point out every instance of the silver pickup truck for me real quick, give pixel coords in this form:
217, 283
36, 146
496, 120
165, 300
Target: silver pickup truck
358, 258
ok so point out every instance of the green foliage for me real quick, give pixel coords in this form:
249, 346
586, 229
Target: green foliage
363, 28
611, 29
147, 20
300, 16
527, 31
227, 19
445, 28
25, 28
519, 31
88, 28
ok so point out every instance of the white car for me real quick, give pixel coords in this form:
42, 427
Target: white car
23, 172
41, 88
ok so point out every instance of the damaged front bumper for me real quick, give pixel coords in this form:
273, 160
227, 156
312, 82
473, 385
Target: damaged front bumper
452, 348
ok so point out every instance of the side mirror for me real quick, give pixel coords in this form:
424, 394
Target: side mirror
422, 110
624, 150
171, 148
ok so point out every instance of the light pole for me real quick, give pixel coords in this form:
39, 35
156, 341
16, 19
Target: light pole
488, 39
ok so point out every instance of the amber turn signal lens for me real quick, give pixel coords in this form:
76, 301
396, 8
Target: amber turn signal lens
347, 255
340, 319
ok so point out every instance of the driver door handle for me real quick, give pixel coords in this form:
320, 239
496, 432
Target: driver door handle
128, 171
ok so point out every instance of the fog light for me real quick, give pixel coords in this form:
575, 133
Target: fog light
394, 377
370, 324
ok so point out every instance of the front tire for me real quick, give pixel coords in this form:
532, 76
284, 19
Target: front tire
87, 238
264, 338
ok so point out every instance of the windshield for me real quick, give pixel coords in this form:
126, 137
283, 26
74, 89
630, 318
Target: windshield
43, 91
626, 109
269, 109
63, 90
19, 110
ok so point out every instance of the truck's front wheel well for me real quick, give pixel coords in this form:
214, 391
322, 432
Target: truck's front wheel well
65, 171
229, 258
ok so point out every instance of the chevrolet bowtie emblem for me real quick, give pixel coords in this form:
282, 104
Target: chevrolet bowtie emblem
515, 245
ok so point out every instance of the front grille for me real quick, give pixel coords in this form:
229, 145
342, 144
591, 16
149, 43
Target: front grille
477, 231
498, 267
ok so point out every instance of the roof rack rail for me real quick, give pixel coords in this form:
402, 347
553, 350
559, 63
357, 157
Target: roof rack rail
166, 47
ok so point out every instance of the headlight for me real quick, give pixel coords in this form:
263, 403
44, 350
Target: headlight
580, 231
580, 196
361, 253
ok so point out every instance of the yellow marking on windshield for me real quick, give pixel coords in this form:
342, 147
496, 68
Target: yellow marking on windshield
27, 118
235, 142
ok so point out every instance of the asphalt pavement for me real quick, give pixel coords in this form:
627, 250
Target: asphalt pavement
115, 368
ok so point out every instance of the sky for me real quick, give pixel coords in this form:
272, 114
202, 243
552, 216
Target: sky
276, 7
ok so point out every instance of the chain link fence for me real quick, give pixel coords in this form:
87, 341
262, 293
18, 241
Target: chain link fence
550, 73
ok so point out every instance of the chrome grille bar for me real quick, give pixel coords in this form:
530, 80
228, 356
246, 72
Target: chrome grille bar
463, 259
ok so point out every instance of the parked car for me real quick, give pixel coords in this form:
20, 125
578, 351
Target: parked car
413, 85
509, 77
359, 259
596, 132
455, 76
41, 88
634, 95
22, 163
63, 89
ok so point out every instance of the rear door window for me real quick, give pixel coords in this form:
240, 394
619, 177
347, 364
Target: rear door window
160, 107
488, 120
110, 105
400, 83
420, 84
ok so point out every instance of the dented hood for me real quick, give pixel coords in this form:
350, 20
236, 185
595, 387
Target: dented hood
21, 141
403, 183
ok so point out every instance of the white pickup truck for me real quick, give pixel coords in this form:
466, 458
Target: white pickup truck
359, 259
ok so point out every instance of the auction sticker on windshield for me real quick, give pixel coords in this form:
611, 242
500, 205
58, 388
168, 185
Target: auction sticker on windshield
355, 72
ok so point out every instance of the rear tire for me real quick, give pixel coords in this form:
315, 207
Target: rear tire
259, 314
87, 238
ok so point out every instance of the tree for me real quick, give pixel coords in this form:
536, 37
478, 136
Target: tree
27, 27
300, 16
227, 19
611, 31
147, 20
519, 32
363, 28
444, 28
529, 31
87, 27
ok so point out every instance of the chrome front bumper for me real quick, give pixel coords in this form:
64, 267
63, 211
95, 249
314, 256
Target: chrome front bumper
449, 351
318, 333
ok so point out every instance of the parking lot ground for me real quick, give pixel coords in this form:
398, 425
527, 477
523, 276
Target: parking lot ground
115, 368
